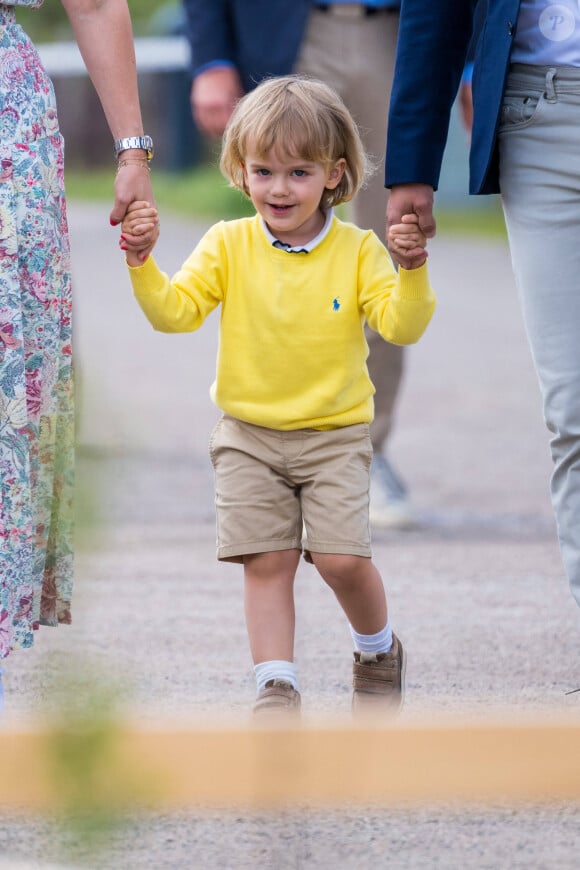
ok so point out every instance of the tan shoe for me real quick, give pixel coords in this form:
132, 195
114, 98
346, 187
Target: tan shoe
278, 697
379, 680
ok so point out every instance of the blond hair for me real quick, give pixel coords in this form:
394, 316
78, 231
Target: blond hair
303, 118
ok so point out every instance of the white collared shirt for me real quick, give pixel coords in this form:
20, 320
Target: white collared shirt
307, 246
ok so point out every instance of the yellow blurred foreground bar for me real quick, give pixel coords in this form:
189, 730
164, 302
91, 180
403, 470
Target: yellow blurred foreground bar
324, 766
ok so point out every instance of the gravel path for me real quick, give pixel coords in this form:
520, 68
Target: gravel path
477, 592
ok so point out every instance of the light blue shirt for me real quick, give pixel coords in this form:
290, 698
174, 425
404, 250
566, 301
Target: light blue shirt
548, 33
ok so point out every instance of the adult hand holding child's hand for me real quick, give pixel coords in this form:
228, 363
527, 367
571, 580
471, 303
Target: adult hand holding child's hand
407, 242
140, 231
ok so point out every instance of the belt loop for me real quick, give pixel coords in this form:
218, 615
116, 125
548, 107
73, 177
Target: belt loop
551, 95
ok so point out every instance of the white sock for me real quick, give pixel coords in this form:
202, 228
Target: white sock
275, 670
380, 642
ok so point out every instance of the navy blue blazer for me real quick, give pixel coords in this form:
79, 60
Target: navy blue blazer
434, 36
260, 37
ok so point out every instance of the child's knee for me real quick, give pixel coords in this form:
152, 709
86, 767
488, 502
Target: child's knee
340, 569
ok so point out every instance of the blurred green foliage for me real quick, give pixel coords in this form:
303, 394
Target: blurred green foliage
81, 753
50, 23
95, 786
92, 790
202, 193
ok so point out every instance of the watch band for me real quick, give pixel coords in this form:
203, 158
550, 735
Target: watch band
131, 143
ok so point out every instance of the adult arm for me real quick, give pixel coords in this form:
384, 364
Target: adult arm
234, 45
217, 83
210, 31
431, 52
104, 35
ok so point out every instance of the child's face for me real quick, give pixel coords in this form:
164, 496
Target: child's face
287, 191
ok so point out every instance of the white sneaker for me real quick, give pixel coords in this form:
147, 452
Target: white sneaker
389, 505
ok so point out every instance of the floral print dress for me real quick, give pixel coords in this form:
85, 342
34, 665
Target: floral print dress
36, 387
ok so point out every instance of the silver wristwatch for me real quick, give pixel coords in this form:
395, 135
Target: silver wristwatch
132, 142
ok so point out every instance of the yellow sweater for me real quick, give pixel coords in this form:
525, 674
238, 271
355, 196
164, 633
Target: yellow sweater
292, 351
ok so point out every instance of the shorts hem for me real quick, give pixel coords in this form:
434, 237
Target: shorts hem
342, 549
236, 553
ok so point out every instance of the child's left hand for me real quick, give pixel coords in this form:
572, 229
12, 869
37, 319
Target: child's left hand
139, 232
407, 239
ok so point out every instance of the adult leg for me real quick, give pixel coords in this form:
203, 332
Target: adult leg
36, 384
366, 89
356, 56
540, 184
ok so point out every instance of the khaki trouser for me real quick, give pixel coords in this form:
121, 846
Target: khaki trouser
356, 57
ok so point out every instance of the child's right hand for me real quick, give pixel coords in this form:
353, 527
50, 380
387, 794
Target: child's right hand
407, 241
139, 232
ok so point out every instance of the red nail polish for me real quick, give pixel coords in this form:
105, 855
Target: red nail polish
114, 223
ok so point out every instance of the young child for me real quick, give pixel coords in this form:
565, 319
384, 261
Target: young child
296, 285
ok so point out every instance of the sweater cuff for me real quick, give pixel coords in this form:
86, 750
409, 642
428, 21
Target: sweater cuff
414, 283
146, 279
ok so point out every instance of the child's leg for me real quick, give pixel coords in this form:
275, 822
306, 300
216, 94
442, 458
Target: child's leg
379, 658
269, 604
270, 619
358, 587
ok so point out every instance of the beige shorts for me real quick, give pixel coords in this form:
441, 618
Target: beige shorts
268, 482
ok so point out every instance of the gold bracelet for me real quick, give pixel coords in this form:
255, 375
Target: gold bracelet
134, 162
